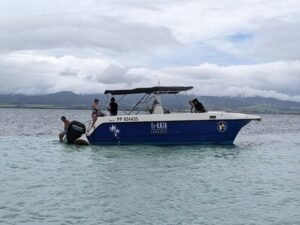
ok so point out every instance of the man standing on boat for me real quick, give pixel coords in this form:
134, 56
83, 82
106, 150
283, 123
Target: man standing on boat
113, 107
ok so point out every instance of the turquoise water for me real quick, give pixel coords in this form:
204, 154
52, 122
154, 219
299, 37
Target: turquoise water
256, 181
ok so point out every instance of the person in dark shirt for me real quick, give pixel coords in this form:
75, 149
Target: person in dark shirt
113, 107
197, 107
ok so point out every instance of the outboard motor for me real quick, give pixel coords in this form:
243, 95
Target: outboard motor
75, 130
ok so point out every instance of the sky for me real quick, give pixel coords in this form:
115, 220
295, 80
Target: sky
221, 47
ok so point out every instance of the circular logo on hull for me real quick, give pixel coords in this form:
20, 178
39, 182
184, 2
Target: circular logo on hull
222, 126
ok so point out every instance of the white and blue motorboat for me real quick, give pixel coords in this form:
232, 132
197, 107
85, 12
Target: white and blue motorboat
150, 123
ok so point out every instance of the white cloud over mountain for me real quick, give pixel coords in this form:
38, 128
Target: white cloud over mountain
228, 47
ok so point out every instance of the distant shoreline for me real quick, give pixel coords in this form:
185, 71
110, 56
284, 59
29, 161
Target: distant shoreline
44, 107
72, 101
88, 108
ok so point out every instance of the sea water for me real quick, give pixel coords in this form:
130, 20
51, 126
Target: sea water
255, 181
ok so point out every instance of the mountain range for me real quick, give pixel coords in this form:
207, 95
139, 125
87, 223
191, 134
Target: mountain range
180, 102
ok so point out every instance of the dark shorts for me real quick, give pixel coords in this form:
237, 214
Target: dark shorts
65, 131
94, 115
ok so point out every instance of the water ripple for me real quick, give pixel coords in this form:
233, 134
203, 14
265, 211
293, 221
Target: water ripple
42, 181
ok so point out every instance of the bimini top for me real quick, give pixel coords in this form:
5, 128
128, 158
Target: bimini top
150, 90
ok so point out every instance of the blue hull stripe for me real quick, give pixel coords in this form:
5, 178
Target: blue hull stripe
168, 132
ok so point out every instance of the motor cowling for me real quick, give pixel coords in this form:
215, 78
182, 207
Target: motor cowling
75, 130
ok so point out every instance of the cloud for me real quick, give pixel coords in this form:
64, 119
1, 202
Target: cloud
277, 40
210, 79
115, 73
112, 74
38, 74
69, 72
274, 40
138, 32
40, 32
228, 47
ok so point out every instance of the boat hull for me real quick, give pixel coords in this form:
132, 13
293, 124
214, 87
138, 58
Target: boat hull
167, 132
